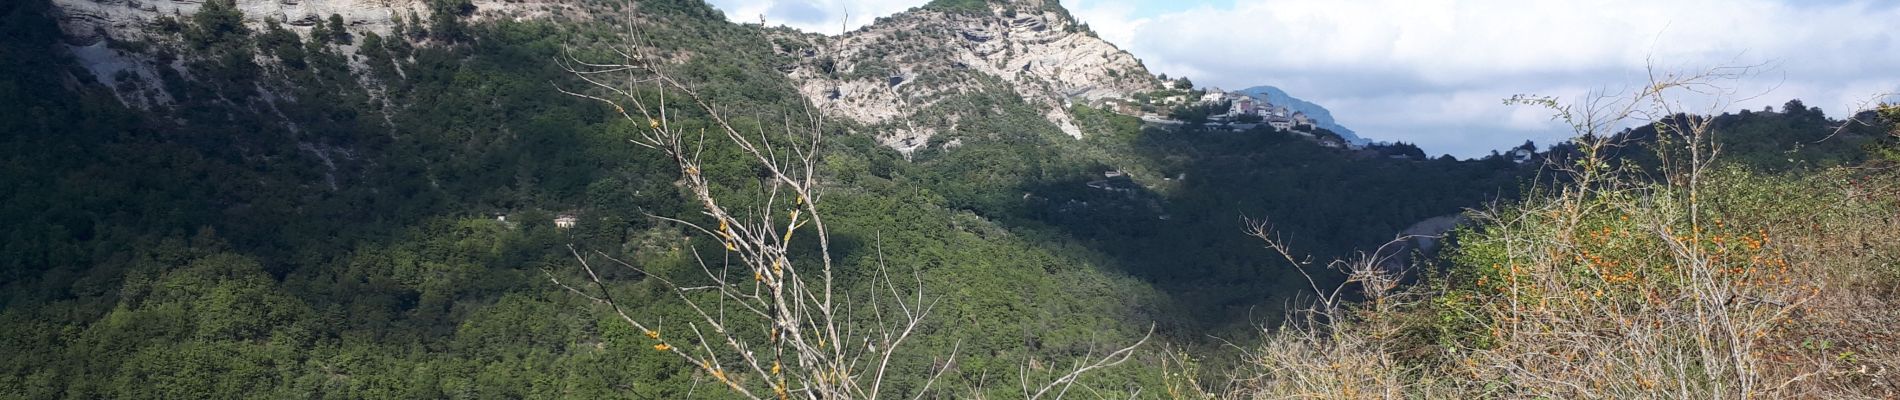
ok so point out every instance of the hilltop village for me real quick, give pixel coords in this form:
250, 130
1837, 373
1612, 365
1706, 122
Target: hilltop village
1178, 104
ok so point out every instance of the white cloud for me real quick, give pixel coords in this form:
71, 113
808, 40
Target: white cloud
1435, 72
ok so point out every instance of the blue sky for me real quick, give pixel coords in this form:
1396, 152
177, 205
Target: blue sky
1435, 72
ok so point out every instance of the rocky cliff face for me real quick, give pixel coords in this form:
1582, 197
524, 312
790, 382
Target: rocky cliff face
95, 27
87, 21
903, 75
887, 73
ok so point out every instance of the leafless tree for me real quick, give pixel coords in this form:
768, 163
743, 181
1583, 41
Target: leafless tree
810, 347
1329, 348
1685, 320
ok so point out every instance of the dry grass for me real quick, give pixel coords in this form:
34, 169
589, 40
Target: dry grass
1708, 282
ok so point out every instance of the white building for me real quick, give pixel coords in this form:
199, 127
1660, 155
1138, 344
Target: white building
1213, 95
1521, 155
1280, 123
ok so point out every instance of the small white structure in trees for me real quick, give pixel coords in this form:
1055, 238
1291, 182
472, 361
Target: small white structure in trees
565, 221
1522, 155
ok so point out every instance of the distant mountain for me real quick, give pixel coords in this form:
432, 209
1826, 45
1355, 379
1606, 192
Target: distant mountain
1316, 112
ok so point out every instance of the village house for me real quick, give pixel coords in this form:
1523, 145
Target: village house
1213, 95
1243, 106
565, 221
1280, 123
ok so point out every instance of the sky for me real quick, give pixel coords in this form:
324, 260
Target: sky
1436, 72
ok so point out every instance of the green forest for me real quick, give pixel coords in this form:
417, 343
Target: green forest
355, 215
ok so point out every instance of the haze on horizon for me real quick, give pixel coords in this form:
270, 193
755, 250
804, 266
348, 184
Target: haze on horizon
1435, 72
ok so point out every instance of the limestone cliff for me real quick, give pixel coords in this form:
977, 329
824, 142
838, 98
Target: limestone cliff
98, 32
886, 73
87, 21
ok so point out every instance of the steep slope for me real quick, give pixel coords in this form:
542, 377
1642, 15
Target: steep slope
889, 74
1320, 115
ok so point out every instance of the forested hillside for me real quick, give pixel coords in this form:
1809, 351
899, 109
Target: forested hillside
334, 231
334, 212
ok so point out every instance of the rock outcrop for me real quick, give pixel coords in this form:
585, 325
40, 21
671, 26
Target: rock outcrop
88, 21
133, 72
887, 73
